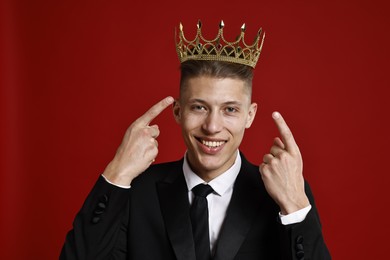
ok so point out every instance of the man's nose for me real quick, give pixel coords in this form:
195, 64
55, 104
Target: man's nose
213, 123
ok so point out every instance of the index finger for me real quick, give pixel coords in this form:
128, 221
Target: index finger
285, 132
154, 111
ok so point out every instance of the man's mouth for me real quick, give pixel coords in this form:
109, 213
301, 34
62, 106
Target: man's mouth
211, 144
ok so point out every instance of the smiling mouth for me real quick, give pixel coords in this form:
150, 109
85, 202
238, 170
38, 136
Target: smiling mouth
211, 144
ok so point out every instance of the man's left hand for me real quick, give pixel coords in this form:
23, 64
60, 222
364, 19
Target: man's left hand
281, 171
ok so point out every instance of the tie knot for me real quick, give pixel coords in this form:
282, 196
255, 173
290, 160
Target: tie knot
202, 190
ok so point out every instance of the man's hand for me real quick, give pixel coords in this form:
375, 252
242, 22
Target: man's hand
139, 147
281, 171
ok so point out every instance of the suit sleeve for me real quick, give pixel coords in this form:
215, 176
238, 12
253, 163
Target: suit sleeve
100, 227
304, 240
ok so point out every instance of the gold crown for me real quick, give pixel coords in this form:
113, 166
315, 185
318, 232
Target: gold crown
219, 49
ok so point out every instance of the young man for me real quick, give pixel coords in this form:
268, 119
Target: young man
141, 211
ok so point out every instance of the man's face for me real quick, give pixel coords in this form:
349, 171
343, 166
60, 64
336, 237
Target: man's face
213, 114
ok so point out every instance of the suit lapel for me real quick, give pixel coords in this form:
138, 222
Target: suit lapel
242, 211
173, 195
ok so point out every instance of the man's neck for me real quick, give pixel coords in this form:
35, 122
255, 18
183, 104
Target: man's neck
209, 175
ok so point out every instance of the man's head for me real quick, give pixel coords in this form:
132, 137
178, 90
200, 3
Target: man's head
213, 110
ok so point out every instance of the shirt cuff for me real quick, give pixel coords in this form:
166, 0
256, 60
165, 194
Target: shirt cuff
120, 186
295, 217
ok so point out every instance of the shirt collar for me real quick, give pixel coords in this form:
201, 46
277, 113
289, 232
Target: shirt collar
220, 184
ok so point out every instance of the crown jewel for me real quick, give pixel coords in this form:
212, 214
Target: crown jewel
219, 49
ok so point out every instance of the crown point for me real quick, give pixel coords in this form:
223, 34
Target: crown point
181, 27
243, 27
199, 25
221, 24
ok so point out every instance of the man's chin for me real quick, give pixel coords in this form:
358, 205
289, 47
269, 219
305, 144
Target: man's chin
210, 164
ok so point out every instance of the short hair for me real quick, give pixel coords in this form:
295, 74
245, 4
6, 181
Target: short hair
218, 69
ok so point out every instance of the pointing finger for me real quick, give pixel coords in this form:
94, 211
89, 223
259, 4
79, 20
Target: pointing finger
154, 111
285, 132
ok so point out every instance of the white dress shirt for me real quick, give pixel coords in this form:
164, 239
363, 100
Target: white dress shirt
218, 201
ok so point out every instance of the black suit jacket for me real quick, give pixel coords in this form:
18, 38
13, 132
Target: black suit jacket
151, 221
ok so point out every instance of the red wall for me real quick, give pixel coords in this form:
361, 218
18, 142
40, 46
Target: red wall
75, 74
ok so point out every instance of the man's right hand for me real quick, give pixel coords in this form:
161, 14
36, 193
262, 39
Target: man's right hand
138, 149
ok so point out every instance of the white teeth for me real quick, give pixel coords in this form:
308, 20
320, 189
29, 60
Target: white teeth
212, 144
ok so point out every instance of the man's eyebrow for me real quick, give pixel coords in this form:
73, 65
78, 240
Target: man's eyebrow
197, 100
227, 103
233, 103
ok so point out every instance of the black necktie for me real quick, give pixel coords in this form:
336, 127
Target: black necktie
199, 214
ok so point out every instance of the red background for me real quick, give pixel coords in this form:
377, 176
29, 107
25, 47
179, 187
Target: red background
75, 74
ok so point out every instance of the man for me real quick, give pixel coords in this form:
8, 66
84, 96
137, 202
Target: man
141, 211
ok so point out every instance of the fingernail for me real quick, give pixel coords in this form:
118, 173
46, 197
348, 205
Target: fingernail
170, 99
276, 115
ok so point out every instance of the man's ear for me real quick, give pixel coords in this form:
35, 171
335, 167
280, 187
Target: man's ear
177, 111
251, 115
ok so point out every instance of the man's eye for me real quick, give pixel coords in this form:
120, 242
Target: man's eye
231, 110
198, 107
